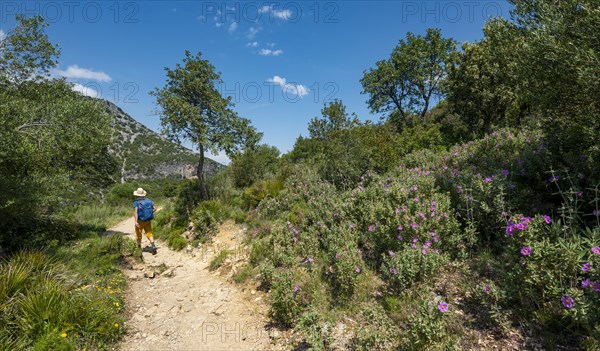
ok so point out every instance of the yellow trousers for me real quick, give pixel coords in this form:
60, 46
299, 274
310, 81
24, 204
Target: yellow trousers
146, 227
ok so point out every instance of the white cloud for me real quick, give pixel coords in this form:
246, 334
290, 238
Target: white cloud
295, 89
269, 52
2, 35
77, 72
232, 27
218, 24
87, 91
252, 44
252, 32
281, 14
270, 45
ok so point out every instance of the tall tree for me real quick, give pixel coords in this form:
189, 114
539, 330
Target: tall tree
334, 118
408, 81
192, 109
53, 141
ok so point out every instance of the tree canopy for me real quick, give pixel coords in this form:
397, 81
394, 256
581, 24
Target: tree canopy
407, 82
192, 109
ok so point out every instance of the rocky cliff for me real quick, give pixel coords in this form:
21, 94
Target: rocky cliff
144, 154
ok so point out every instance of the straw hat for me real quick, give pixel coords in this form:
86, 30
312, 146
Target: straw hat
140, 192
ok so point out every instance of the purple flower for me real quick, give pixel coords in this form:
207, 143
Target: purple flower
294, 239
454, 171
442, 307
413, 188
586, 283
352, 225
295, 231
400, 237
397, 210
488, 289
567, 301
414, 246
391, 253
371, 228
357, 269
414, 225
424, 251
554, 179
596, 250
309, 260
414, 240
393, 271
521, 226
586, 267
596, 286
526, 251
510, 229
428, 243
400, 228
596, 213
505, 172
547, 219
459, 189
296, 288
488, 179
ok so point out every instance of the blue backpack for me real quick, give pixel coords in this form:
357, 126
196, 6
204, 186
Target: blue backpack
145, 210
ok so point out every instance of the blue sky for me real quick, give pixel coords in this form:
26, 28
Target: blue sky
280, 60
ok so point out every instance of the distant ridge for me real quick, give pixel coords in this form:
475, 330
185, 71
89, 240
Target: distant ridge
144, 154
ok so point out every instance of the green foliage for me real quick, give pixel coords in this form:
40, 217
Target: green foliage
63, 303
53, 141
122, 194
334, 119
285, 305
261, 190
218, 260
407, 81
254, 164
429, 330
377, 331
193, 109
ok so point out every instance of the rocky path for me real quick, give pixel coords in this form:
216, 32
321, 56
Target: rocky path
176, 303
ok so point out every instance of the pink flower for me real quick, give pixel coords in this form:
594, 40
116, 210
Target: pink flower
442, 307
526, 251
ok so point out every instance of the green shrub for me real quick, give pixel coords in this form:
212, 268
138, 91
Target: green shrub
261, 190
218, 260
285, 305
377, 331
243, 274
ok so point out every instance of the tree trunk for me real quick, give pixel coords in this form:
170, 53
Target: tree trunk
200, 173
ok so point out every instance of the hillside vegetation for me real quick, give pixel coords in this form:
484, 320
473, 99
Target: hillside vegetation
471, 225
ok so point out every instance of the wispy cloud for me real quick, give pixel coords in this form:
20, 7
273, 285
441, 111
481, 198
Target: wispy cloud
252, 31
87, 91
232, 27
76, 72
280, 14
295, 89
252, 44
269, 52
2, 35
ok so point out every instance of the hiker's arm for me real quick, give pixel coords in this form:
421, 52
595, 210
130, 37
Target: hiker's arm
135, 217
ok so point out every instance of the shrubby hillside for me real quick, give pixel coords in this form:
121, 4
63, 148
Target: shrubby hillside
143, 154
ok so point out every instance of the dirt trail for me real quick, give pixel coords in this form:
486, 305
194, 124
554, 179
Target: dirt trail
186, 306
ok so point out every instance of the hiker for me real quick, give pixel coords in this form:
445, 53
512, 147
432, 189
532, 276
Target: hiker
143, 212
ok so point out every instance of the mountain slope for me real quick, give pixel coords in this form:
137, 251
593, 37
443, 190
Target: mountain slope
144, 154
